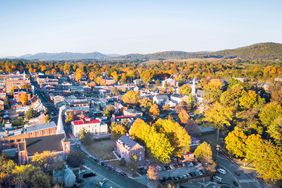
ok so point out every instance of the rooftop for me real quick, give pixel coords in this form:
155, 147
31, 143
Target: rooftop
127, 141
41, 127
86, 120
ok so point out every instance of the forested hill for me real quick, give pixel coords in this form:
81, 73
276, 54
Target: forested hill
268, 50
260, 51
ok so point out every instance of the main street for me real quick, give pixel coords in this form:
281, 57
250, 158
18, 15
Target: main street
246, 179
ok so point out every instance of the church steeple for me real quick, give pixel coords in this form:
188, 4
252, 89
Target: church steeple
60, 124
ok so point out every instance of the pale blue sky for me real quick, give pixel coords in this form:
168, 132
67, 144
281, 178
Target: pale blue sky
141, 26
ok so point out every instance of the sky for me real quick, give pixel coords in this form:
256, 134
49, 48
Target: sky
140, 26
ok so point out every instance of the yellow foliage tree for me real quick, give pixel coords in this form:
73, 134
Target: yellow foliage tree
23, 97
154, 110
204, 152
131, 97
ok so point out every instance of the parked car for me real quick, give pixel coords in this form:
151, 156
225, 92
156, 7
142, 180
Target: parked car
217, 178
221, 170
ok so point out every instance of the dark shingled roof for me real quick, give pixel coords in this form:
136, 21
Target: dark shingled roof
127, 141
45, 143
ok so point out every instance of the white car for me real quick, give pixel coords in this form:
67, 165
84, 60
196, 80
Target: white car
220, 170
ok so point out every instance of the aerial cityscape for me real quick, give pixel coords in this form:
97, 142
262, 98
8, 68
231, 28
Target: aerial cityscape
157, 94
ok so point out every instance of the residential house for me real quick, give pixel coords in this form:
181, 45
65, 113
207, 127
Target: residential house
132, 112
129, 149
160, 99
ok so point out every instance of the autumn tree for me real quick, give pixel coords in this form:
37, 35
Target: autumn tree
23, 97
275, 130
185, 89
183, 116
69, 118
91, 75
231, 96
250, 99
269, 113
115, 76
6, 169
177, 135
78, 74
219, 115
157, 144
43, 160
204, 153
154, 110
145, 102
235, 142
213, 90
153, 173
131, 97
117, 130
146, 76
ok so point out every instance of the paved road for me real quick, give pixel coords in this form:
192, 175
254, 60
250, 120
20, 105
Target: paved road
245, 180
120, 181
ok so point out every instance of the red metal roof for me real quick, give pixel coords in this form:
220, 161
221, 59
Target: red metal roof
121, 117
86, 121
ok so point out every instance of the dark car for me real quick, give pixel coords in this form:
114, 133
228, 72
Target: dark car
235, 183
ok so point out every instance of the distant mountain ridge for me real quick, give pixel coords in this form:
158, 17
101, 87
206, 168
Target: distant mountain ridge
263, 51
64, 56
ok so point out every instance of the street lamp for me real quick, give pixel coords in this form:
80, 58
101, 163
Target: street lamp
217, 149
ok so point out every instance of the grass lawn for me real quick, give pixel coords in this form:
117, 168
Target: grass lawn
129, 168
103, 149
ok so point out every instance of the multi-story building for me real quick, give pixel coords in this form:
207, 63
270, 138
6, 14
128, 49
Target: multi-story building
129, 149
94, 126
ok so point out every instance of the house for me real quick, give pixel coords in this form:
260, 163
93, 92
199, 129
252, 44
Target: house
132, 112
121, 119
44, 80
176, 98
129, 149
160, 99
56, 144
170, 82
94, 126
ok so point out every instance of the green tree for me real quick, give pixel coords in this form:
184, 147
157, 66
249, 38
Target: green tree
85, 137
75, 159
40, 180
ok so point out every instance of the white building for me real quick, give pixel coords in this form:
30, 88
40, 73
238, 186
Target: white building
94, 126
160, 99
